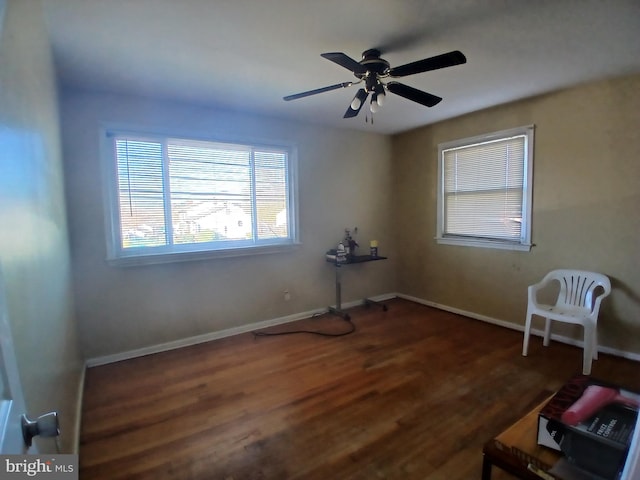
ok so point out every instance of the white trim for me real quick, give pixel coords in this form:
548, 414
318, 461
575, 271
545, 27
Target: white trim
487, 137
197, 339
524, 243
79, 399
14, 404
173, 257
520, 328
118, 256
483, 243
207, 337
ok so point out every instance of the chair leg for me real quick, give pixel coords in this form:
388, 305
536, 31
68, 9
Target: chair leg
527, 332
588, 349
595, 342
547, 332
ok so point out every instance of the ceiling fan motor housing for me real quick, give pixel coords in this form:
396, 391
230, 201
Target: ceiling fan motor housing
373, 67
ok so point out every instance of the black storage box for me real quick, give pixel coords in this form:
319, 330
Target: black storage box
591, 422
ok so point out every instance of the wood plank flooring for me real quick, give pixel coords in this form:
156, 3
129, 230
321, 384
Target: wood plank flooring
413, 393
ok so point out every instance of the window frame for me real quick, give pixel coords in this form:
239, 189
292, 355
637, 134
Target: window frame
524, 242
116, 255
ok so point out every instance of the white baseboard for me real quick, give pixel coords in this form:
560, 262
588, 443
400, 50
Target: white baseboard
207, 337
520, 328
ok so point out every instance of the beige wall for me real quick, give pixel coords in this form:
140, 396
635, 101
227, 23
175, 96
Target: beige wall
344, 181
585, 216
34, 251
585, 208
586, 192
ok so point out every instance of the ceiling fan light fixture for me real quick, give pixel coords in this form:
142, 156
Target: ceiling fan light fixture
375, 106
372, 69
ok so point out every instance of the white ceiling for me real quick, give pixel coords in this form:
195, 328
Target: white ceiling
247, 54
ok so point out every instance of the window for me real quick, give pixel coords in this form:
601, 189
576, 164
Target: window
484, 190
179, 199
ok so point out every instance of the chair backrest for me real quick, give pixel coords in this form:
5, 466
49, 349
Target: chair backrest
578, 288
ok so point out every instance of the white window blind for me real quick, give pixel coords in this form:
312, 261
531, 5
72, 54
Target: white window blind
484, 191
179, 195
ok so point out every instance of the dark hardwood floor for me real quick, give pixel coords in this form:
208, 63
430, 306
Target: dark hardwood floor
413, 393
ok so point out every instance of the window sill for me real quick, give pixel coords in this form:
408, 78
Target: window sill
174, 257
481, 243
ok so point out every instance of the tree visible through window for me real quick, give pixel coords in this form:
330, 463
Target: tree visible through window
177, 195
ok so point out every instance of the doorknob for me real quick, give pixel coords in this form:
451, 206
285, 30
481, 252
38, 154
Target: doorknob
46, 425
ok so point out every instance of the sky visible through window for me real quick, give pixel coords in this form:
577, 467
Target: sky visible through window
184, 192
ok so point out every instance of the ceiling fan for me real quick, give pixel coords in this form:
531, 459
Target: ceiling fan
372, 69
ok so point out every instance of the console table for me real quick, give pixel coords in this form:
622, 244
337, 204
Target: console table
352, 260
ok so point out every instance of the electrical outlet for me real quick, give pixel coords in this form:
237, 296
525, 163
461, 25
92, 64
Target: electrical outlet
287, 296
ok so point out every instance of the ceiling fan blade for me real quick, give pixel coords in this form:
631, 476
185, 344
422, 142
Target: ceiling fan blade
362, 96
318, 90
410, 93
344, 61
433, 63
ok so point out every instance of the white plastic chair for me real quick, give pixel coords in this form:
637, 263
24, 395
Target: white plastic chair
578, 302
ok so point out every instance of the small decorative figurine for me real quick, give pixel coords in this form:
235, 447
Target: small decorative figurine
349, 242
